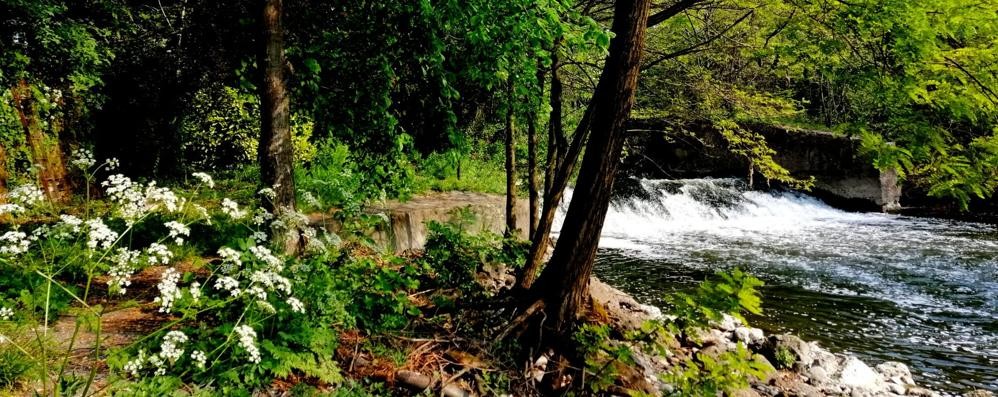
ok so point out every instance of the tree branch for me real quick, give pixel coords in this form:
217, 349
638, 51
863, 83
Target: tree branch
696, 47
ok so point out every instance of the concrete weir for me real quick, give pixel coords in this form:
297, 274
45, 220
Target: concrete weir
405, 226
842, 177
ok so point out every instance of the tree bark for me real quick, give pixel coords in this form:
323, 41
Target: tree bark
556, 133
564, 284
532, 161
510, 170
46, 154
276, 150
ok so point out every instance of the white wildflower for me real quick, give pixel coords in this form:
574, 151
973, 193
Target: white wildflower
124, 264
266, 306
231, 208
26, 195
247, 340
158, 254
195, 291
157, 362
113, 163
169, 293
230, 259
226, 283
271, 280
296, 305
171, 349
6, 313
178, 231
161, 197
268, 193
199, 358
310, 199
261, 216
259, 237
99, 235
83, 159
10, 209
14, 243
265, 256
202, 212
135, 365
70, 223
205, 179
257, 292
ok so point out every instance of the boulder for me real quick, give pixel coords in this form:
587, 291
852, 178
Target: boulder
979, 393
860, 377
895, 372
799, 350
751, 336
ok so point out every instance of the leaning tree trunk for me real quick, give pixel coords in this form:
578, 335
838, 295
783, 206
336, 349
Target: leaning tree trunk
46, 154
564, 284
510, 172
276, 150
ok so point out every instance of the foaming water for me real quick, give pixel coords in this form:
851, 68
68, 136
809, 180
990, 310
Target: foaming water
921, 291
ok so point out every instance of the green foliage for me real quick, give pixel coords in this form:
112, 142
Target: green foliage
730, 293
784, 357
601, 356
727, 373
454, 255
379, 293
479, 172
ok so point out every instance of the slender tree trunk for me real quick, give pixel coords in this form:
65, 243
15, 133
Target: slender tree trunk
46, 154
564, 284
3, 175
510, 171
556, 133
532, 160
276, 150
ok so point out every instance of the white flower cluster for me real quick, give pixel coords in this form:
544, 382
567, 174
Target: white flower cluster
6, 313
26, 195
172, 347
268, 193
124, 263
170, 350
10, 209
261, 216
169, 293
199, 358
227, 283
178, 231
230, 259
14, 243
296, 305
83, 159
68, 226
158, 254
134, 200
247, 340
195, 290
259, 237
231, 208
205, 179
265, 256
99, 235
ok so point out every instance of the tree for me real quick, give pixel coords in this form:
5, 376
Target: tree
276, 152
563, 287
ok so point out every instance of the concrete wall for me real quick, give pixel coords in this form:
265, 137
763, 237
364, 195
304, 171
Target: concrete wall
842, 177
406, 226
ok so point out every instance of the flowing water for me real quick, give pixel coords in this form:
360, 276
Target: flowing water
917, 290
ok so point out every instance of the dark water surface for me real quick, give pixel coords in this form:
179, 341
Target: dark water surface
916, 290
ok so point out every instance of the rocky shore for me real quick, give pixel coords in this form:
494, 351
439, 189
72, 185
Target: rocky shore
803, 368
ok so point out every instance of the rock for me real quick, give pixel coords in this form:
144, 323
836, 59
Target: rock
710, 337
800, 351
921, 392
744, 393
860, 377
825, 359
895, 372
728, 323
751, 336
897, 388
979, 393
819, 376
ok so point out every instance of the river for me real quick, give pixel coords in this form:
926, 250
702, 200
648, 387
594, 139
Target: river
917, 290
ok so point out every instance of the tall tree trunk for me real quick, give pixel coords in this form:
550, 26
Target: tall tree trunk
556, 133
510, 170
276, 150
564, 284
46, 154
532, 160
